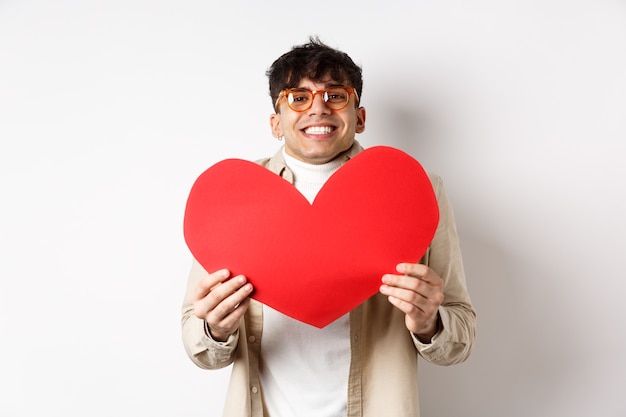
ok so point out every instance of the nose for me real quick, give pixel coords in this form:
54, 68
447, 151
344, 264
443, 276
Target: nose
319, 105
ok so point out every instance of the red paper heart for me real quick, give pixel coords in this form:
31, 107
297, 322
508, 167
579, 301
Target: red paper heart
313, 262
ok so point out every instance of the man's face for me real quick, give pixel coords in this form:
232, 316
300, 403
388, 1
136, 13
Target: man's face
319, 134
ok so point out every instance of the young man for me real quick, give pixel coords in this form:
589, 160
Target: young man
364, 363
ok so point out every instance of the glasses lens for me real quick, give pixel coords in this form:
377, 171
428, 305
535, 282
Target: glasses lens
336, 97
300, 99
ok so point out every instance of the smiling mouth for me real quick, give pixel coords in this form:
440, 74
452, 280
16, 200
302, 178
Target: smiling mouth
318, 130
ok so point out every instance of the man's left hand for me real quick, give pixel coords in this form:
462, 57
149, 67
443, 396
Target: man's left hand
418, 292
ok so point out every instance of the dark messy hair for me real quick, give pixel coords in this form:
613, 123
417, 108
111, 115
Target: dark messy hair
313, 60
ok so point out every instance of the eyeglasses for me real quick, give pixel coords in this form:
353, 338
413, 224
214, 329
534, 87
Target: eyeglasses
301, 99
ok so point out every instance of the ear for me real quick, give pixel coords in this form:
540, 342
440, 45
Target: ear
277, 130
360, 120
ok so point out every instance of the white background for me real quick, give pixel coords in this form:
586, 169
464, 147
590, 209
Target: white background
110, 109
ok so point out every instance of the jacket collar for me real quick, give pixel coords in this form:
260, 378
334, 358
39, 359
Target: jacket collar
278, 165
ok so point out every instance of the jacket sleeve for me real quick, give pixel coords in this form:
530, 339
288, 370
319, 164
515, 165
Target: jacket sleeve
455, 339
200, 347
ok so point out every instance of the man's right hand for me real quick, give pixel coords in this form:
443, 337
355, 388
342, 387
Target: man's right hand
221, 302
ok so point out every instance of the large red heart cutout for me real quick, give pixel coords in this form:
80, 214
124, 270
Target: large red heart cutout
313, 262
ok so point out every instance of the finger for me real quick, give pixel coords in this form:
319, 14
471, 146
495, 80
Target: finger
224, 319
231, 302
414, 270
411, 290
417, 309
219, 294
405, 306
206, 284
420, 271
407, 282
230, 321
406, 295
224, 328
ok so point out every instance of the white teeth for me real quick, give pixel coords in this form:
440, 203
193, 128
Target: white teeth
318, 130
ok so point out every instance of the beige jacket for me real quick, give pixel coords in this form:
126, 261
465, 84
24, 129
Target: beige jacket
383, 364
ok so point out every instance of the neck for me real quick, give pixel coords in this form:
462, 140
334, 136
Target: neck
310, 178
